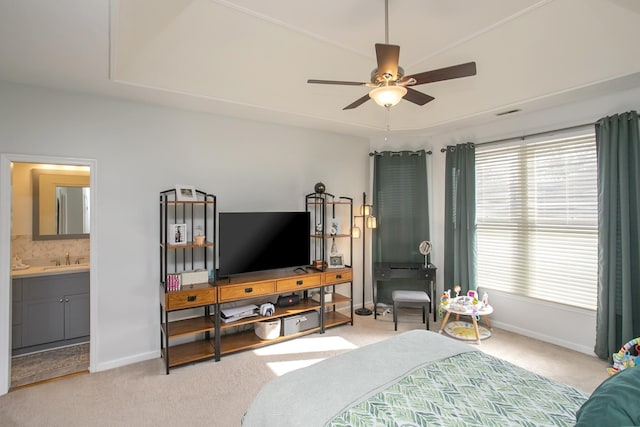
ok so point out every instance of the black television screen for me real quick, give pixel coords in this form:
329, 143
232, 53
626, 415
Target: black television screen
254, 241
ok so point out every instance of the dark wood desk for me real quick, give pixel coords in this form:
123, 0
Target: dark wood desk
383, 272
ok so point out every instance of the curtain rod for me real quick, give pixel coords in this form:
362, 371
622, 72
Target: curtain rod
442, 150
398, 153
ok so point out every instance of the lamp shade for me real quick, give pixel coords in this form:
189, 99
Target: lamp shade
388, 96
365, 210
372, 222
355, 232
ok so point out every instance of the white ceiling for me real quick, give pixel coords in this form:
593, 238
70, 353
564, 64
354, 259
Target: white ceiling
252, 58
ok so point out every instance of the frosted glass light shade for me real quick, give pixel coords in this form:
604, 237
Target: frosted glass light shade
355, 232
388, 96
372, 222
365, 210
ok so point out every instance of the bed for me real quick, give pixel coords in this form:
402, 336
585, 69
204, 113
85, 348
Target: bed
413, 379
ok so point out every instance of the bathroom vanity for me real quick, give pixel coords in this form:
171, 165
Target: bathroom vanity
50, 310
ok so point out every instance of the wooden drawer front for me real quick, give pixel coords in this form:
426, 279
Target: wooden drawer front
248, 290
190, 298
338, 277
296, 283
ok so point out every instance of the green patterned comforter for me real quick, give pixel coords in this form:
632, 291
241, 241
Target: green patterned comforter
469, 389
416, 378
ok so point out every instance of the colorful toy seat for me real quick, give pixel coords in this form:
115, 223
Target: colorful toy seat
627, 357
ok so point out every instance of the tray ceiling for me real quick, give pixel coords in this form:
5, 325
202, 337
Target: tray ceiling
251, 58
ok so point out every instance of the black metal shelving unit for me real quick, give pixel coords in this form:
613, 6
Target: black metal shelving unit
181, 253
324, 207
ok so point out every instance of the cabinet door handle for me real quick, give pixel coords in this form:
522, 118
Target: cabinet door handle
66, 300
338, 276
299, 282
191, 298
248, 290
60, 300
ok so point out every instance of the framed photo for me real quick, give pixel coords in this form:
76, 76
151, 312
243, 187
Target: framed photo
336, 261
186, 193
177, 234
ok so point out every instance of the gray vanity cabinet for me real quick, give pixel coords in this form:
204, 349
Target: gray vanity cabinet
76, 316
43, 321
16, 314
55, 309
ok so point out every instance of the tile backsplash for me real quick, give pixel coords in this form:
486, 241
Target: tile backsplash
41, 252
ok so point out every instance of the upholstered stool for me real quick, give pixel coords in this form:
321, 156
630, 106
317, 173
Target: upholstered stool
410, 299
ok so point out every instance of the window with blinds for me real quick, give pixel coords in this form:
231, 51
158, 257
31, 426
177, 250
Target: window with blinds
537, 216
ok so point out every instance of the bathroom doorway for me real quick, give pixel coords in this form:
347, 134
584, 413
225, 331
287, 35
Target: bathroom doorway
34, 248
49, 229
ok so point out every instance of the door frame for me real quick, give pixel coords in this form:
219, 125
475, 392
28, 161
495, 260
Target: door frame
6, 207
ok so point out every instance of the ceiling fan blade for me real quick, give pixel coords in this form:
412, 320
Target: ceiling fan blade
358, 102
447, 73
336, 82
417, 97
388, 56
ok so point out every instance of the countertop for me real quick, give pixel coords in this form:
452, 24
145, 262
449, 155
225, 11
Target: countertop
49, 270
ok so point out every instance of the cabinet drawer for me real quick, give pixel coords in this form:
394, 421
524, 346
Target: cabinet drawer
338, 277
54, 286
248, 290
186, 298
296, 283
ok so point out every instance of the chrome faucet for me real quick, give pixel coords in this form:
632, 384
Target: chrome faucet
66, 259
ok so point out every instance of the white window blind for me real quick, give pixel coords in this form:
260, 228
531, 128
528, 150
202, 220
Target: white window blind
537, 218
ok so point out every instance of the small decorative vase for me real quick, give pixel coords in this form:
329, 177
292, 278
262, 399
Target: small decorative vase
199, 240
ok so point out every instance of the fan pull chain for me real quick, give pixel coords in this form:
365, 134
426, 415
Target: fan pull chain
387, 125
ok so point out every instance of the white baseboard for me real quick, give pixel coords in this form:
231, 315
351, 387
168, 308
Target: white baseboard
127, 361
543, 337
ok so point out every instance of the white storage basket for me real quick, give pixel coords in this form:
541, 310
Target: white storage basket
268, 329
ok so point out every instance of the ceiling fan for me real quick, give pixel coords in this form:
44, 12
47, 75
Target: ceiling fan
388, 81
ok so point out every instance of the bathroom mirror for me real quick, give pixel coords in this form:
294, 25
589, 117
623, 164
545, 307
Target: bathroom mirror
61, 207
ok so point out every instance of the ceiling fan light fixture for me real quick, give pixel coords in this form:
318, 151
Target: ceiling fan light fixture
388, 96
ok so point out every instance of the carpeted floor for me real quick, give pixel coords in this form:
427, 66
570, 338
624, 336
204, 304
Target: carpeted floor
45, 365
217, 393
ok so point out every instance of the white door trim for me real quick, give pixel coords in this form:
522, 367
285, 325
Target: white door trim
5, 257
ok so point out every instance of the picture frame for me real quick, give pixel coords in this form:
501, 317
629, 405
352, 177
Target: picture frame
336, 261
186, 193
177, 234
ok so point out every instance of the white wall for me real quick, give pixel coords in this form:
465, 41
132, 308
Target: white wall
141, 150
555, 323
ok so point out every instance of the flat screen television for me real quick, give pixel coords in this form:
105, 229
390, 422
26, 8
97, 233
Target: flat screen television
255, 241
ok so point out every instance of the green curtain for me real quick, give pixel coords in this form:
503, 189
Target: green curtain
400, 205
460, 248
618, 148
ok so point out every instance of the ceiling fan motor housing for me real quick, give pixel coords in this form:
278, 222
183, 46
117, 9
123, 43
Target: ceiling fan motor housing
383, 79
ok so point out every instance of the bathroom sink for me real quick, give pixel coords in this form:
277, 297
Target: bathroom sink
82, 266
